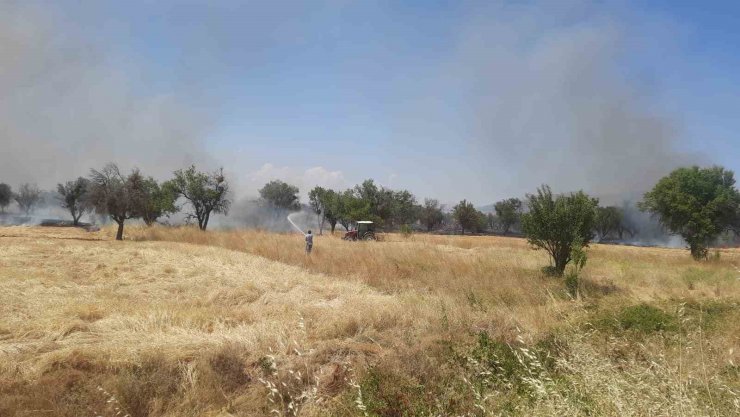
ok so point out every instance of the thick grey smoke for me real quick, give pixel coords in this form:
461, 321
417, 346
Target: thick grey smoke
559, 103
65, 108
562, 93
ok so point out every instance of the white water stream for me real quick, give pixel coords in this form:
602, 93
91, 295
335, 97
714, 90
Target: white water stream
295, 226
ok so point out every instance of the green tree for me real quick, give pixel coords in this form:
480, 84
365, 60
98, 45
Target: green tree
607, 220
466, 216
157, 200
509, 213
553, 224
317, 201
627, 224
482, 224
73, 197
491, 220
431, 214
696, 203
403, 208
332, 208
387, 207
354, 208
377, 200
6, 195
116, 195
27, 197
279, 194
205, 193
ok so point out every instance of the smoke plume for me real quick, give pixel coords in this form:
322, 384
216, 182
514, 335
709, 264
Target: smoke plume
65, 108
562, 93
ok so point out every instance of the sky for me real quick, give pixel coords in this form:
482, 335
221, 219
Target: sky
449, 99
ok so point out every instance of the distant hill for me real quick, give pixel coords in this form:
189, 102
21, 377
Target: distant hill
488, 208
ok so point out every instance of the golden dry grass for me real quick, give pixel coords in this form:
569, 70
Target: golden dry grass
170, 323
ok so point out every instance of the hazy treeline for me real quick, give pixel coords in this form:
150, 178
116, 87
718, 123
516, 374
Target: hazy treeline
119, 196
197, 196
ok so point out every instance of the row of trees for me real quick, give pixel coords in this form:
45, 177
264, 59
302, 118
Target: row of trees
698, 204
27, 197
124, 197
121, 196
368, 201
147, 199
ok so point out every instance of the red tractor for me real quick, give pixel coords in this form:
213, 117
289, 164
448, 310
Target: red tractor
365, 230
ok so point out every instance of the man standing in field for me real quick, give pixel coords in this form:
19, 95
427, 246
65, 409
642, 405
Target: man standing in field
309, 242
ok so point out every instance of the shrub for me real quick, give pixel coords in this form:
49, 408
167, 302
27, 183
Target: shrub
641, 318
578, 255
406, 231
554, 223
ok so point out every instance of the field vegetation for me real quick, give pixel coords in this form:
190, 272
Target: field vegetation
175, 321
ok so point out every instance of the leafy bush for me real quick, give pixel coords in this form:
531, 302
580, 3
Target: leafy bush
641, 318
578, 255
554, 223
406, 231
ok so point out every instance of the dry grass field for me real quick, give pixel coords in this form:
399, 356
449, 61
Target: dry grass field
177, 322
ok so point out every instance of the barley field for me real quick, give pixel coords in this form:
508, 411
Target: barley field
177, 322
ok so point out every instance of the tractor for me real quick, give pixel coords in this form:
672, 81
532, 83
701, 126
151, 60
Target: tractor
365, 230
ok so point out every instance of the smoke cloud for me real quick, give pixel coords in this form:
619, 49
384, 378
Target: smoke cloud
559, 93
506, 98
66, 108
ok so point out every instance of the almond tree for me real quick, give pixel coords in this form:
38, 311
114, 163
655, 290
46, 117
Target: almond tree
431, 214
555, 223
466, 215
205, 193
6, 194
316, 199
508, 212
73, 197
27, 197
116, 195
696, 203
159, 200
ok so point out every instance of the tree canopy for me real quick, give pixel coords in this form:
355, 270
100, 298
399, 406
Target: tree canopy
696, 203
555, 223
431, 214
28, 197
157, 200
508, 212
116, 195
206, 193
466, 216
281, 195
73, 196
6, 195
389, 208
317, 200
608, 219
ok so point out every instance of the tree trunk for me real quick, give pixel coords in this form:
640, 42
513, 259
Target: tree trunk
698, 251
561, 260
204, 223
119, 234
560, 266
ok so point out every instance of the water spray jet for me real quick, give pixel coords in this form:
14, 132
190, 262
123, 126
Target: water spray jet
295, 226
